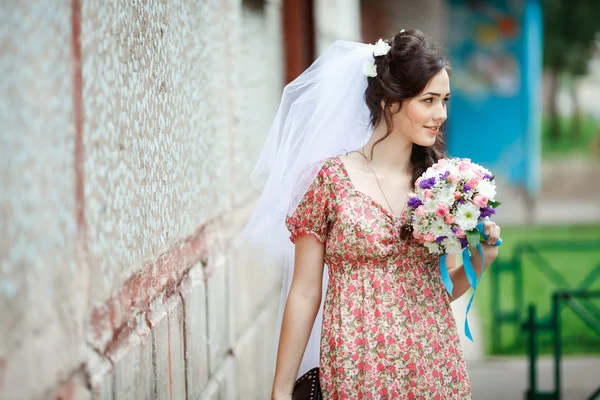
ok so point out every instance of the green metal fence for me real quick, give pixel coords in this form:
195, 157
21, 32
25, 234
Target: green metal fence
533, 326
508, 307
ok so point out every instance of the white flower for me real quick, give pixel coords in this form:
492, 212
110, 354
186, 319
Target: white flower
446, 195
381, 48
487, 189
468, 174
467, 216
452, 246
369, 68
422, 224
431, 205
440, 228
433, 248
452, 167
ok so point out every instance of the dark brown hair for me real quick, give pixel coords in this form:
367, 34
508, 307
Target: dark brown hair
403, 73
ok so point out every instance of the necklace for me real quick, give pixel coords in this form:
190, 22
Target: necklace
361, 152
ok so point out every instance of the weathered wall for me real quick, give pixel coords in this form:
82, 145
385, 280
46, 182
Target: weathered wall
129, 132
42, 288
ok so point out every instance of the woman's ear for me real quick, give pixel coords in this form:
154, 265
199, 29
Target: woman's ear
395, 107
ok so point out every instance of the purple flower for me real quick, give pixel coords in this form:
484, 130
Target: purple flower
444, 176
487, 176
454, 229
464, 243
486, 211
440, 238
427, 183
414, 202
466, 188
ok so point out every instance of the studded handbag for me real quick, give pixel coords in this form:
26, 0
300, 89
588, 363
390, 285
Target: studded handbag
307, 386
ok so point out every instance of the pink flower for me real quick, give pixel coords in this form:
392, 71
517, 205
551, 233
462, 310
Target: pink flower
421, 210
460, 233
449, 219
429, 237
417, 235
457, 195
480, 201
473, 182
441, 211
428, 193
464, 165
454, 179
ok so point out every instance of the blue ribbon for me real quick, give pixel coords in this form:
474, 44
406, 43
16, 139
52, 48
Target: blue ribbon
471, 275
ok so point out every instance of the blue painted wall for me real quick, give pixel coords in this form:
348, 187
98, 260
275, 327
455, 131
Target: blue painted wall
494, 115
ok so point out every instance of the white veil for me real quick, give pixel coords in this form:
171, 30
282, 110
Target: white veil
322, 114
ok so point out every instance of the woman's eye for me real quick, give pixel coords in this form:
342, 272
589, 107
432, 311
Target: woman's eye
447, 99
429, 100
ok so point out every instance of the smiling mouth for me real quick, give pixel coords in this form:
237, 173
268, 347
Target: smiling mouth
433, 129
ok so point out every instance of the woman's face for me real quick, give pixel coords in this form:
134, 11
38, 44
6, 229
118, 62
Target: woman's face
420, 118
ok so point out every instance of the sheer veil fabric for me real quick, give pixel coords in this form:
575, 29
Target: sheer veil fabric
322, 114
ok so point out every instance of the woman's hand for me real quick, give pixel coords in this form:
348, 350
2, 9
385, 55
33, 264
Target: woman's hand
490, 252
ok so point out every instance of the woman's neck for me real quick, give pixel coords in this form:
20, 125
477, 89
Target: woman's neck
393, 153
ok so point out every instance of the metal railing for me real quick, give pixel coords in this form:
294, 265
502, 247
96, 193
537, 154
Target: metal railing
512, 269
564, 294
533, 326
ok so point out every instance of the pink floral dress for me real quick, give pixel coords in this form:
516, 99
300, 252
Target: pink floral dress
388, 329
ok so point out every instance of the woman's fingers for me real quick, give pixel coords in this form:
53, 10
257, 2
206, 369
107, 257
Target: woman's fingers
493, 232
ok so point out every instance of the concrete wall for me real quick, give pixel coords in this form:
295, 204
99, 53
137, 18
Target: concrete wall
129, 131
336, 20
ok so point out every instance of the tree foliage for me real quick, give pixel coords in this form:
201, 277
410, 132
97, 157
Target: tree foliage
571, 29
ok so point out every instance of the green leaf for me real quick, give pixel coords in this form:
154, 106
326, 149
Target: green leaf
473, 237
494, 204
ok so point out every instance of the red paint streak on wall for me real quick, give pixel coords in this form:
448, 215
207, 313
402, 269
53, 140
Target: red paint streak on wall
375, 21
78, 115
66, 392
162, 275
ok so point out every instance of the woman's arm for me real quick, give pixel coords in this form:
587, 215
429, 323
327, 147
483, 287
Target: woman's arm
457, 272
300, 312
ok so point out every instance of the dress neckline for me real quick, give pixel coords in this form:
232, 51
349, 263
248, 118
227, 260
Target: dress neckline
365, 195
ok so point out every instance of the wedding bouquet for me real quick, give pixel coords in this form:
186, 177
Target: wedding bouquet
450, 199
446, 214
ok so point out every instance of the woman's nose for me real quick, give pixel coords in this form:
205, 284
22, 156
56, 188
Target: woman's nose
440, 113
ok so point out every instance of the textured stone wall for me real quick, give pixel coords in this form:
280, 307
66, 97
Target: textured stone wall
129, 132
42, 288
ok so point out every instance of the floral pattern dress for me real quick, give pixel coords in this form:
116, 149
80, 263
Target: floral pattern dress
388, 329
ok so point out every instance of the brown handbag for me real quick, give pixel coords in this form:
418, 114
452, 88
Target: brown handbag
307, 386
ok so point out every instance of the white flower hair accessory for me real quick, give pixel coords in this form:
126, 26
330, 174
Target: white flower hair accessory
369, 68
381, 48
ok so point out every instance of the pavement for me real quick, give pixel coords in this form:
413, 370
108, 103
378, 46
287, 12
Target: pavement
506, 378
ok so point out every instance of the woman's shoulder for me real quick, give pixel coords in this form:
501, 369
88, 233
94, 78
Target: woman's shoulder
325, 168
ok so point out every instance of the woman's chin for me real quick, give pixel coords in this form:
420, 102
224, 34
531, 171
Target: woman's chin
426, 142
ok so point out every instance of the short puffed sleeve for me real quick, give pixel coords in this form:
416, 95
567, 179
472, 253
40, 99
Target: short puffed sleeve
313, 213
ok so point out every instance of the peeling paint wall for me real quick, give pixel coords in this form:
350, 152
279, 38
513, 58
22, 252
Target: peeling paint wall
118, 275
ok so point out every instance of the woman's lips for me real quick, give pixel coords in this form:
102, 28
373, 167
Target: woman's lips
434, 130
